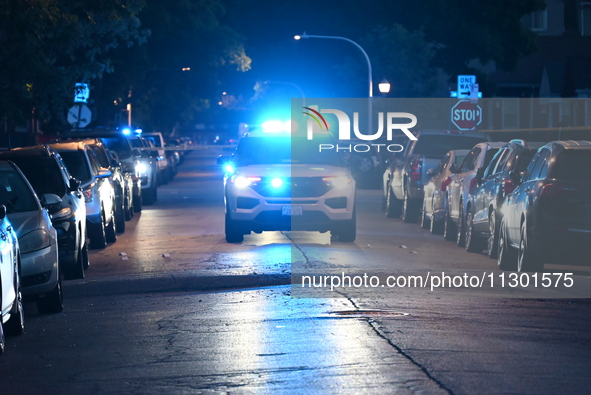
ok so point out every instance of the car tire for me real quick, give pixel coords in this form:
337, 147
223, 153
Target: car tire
85, 259
493, 235
96, 234
347, 233
111, 230
425, 223
16, 323
53, 302
2, 338
507, 256
449, 227
461, 226
528, 258
473, 243
76, 272
409, 209
234, 233
120, 218
128, 209
393, 205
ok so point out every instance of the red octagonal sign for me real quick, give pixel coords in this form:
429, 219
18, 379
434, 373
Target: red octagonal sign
466, 115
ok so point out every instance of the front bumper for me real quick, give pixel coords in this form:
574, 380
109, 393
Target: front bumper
39, 270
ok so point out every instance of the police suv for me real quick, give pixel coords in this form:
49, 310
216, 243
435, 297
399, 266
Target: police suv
280, 182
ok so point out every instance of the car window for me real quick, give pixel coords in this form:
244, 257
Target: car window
489, 155
492, 166
43, 174
470, 160
101, 155
572, 165
77, 164
535, 167
94, 161
522, 160
120, 145
15, 193
442, 164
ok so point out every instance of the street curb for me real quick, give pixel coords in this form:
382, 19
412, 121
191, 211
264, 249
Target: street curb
169, 282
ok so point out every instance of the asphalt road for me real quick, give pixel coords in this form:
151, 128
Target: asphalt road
171, 308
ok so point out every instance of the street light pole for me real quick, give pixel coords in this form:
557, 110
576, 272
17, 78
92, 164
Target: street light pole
369, 79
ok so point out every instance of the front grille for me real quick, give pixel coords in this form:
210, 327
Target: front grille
294, 187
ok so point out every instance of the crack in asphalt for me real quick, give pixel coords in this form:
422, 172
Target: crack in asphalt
372, 324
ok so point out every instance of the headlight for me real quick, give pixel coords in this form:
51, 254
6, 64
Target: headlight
244, 182
141, 168
65, 212
34, 240
338, 181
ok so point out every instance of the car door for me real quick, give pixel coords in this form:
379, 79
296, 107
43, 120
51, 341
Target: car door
482, 194
457, 184
6, 263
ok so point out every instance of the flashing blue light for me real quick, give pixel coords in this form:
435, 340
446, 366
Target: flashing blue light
273, 126
276, 182
229, 168
138, 131
126, 131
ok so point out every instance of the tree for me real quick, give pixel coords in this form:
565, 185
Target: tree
48, 45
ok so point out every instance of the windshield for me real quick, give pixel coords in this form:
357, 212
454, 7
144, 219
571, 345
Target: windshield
120, 145
77, 165
285, 150
436, 146
15, 194
43, 174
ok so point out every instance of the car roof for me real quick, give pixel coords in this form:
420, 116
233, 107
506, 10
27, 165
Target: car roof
29, 151
68, 146
573, 144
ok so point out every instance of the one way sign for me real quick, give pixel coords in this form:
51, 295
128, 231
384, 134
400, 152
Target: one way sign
465, 83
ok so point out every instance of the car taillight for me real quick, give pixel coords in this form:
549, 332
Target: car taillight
507, 187
444, 184
415, 169
561, 192
562, 200
473, 183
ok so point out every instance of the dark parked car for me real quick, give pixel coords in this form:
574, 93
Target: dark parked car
548, 216
146, 168
494, 184
47, 173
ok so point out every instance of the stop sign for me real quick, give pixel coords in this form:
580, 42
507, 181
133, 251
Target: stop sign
466, 115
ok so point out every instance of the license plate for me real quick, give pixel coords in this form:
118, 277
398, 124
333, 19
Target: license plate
291, 210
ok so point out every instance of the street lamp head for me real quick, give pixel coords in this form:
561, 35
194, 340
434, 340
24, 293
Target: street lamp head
384, 86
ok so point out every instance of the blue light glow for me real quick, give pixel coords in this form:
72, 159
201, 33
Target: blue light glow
276, 182
126, 131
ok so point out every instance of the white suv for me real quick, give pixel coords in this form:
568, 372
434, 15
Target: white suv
276, 182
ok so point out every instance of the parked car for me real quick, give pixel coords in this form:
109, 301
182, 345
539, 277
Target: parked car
493, 185
548, 215
434, 202
146, 168
280, 182
37, 238
117, 142
11, 301
165, 170
122, 181
47, 173
462, 183
98, 191
406, 172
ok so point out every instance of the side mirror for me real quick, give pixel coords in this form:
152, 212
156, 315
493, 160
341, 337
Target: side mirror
75, 184
49, 199
454, 168
104, 173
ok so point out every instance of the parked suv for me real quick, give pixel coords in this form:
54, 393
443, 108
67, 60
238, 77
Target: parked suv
146, 168
117, 141
99, 194
47, 173
493, 185
548, 215
462, 183
165, 173
406, 171
280, 182
122, 181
